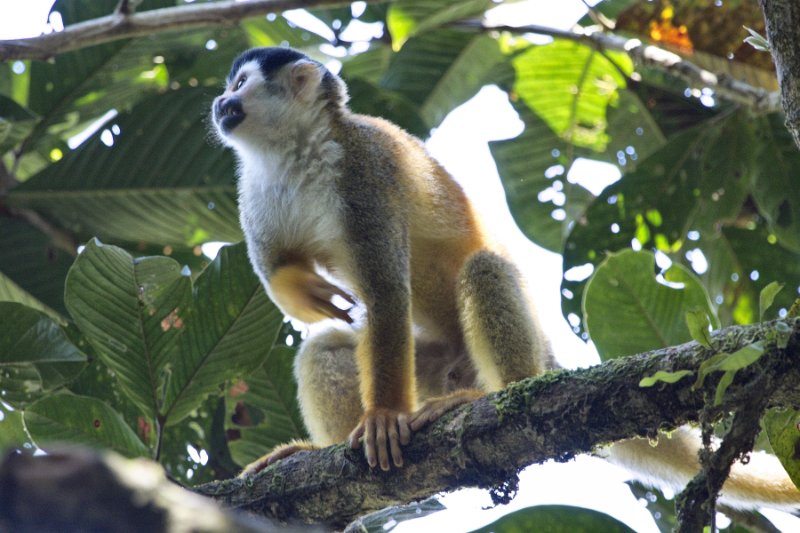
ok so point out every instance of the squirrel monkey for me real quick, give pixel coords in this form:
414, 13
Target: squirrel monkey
324, 189
447, 314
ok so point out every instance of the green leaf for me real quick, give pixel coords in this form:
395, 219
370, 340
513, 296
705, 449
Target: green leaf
696, 182
110, 193
132, 311
439, 71
230, 330
699, 327
12, 430
730, 363
36, 356
383, 519
270, 400
407, 18
706, 367
35, 269
528, 166
724, 382
624, 295
16, 123
766, 297
665, 377
774, 190
63, 418
743, 358
556, 519
784, 437
571, 86
756, 40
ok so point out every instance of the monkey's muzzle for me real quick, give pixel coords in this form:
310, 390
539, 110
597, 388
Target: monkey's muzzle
228, 113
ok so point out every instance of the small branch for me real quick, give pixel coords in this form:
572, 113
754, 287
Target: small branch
782, 18
725, 86
61, 239
122, 25
696, 505
485, 443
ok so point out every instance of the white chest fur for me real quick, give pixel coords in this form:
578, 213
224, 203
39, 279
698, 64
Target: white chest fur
290, 202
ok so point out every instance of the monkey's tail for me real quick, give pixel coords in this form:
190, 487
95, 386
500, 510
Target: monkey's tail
673, 462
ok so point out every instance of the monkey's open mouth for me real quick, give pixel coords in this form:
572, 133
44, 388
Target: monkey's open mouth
228, 113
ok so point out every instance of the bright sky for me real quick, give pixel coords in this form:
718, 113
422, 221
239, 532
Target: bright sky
460, 143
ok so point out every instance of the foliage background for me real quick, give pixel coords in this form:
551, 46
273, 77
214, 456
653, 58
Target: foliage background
143, 345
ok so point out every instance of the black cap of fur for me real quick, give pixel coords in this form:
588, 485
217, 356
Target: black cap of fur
269, 59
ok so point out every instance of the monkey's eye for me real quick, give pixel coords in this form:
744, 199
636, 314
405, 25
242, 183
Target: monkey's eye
240, 82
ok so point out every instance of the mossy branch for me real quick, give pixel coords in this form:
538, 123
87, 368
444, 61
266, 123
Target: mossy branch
485, 443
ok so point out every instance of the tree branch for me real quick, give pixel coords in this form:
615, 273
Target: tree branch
648, 55
484, 444
782, 18
121, 25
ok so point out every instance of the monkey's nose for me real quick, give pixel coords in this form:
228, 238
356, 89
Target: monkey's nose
228, 112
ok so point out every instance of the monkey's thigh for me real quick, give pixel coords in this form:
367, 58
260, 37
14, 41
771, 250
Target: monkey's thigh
328, 386
501, 331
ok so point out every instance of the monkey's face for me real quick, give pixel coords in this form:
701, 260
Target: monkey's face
272, 95
252, 108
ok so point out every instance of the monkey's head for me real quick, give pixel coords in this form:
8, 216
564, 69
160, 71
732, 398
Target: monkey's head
271, 93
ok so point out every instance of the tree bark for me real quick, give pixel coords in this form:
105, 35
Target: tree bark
782, 19
484, 444
121, 25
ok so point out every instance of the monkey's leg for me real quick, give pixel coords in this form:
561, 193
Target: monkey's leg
501, 331
328, 392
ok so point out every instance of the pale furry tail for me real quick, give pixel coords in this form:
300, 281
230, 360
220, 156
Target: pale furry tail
673, 462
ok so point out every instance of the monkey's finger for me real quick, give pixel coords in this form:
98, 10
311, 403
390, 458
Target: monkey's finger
381, 444
369, 442
394, 443
355, 437
331, 311
404, 429
325, 291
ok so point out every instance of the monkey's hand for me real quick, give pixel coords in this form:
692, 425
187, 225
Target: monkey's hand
384, 431
433, 408
278, 452
305, 295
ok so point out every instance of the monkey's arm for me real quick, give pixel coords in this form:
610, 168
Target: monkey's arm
379, 245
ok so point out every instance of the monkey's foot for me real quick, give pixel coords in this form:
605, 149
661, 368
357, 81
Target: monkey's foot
278, 452
434, 408
384, 430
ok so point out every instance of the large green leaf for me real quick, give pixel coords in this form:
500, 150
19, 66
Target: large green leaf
269, 399
160, 181
63, 418
556, 519
624, 295
531, 167
12, 430
170, 344
16, 123
36, 356
132, 311
781, 427
777, 172
230, 329
33, 264
696, 182
441, 70
570, 86
406, 18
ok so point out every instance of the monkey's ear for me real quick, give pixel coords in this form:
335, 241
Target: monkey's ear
305, 79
